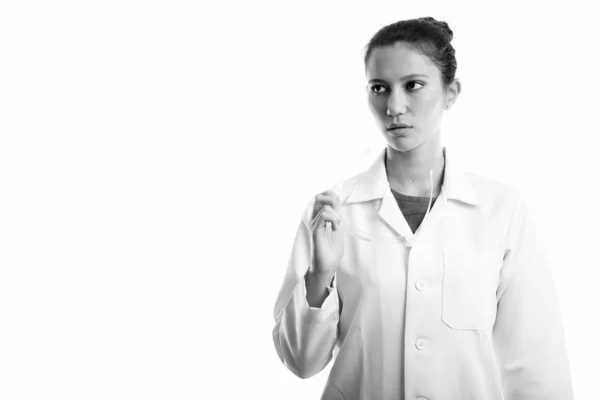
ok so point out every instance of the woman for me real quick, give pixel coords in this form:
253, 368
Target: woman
462, 305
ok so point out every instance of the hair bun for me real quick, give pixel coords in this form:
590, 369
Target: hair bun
442, 26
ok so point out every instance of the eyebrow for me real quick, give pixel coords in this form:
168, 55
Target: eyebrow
410, 76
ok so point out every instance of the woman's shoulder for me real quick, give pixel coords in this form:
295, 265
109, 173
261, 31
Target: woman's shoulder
345, 187
484, 183
493, 191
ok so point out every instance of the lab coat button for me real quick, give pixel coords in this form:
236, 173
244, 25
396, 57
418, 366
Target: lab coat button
421, 343
421, 284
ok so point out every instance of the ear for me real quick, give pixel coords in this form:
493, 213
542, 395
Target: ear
452, 92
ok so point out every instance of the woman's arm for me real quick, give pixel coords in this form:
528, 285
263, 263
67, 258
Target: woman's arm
528, 333
317, 286
305, 336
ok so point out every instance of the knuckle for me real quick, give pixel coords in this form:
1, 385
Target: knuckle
328, 216
330, 210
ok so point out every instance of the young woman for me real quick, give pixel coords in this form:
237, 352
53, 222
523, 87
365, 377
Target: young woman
447, 295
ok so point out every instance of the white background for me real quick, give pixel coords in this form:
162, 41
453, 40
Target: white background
155, 158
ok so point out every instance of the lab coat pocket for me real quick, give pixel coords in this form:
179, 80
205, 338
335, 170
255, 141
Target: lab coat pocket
469, 290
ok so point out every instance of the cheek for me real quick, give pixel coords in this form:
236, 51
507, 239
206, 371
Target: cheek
432, 107
377, 105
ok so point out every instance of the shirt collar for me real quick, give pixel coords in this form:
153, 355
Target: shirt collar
373, 184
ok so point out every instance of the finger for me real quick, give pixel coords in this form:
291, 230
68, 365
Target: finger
331, 199
322, 217
322, 200
326, 213
325, 226
326, 217
330, 193
335, 226
327, 209
331, 210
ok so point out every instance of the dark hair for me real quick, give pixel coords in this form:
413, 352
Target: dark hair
427, 35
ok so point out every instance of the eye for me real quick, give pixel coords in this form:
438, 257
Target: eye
378, 89
411, 85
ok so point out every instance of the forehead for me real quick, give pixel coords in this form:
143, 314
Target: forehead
400, 59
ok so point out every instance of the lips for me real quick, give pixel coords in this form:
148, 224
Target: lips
397, 127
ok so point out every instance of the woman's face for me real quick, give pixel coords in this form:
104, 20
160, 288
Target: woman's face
409, 86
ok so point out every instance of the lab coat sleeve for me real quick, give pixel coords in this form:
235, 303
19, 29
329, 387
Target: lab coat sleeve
528, 334
304, 336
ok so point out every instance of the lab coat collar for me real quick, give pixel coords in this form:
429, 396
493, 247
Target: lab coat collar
373, 184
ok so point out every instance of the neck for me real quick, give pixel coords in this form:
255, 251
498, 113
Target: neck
408, 172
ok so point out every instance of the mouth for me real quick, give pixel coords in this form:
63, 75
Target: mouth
397, 128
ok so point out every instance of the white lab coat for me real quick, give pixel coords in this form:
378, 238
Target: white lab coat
467, 312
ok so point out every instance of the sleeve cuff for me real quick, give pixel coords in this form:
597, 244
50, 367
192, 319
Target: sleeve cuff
328, 310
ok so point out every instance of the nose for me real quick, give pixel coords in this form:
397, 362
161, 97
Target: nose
396, 103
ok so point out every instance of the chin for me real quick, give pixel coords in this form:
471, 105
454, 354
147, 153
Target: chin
402, 143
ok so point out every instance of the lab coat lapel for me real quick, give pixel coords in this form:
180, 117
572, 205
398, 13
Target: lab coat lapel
373, 185
390, 212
